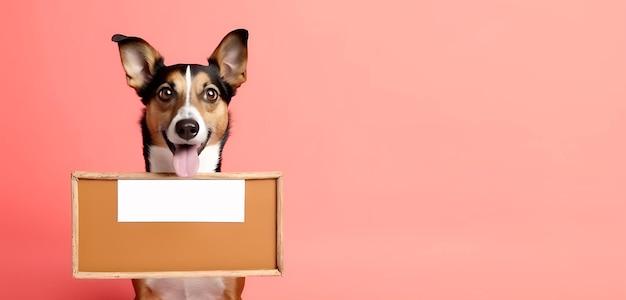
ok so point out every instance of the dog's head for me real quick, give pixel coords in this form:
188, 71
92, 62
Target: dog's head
186, 104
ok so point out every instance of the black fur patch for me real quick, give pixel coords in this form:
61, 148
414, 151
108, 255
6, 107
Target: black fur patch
147, 140
218, 168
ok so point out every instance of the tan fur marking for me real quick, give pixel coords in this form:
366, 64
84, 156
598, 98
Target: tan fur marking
215, 114
159, 114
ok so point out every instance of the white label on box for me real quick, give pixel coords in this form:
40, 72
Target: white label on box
181, 200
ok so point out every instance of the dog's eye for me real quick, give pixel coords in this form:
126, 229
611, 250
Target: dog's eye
165, 94
210, 95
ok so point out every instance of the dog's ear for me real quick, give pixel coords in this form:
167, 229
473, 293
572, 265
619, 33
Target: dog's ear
231, 56
139, 59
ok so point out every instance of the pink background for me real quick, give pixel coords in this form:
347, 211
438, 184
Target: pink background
438, 149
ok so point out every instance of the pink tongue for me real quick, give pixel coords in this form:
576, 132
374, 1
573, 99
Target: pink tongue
186, 160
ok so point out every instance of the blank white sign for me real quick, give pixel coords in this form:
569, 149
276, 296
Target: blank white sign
180, 200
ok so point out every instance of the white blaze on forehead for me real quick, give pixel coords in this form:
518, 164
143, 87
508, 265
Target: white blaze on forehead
187, 111
188, 80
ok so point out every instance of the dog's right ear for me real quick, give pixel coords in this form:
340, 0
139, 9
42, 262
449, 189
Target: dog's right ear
139, 59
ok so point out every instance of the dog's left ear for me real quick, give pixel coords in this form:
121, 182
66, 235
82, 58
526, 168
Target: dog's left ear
231, 56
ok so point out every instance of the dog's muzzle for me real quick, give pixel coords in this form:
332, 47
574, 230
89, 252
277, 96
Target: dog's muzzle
186, 155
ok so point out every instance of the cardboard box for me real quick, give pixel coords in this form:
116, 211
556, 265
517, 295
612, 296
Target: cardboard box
149, 225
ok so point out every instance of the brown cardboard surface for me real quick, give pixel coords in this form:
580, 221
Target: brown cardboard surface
104, 245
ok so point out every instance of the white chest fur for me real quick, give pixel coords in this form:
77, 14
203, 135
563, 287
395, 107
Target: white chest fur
185, 288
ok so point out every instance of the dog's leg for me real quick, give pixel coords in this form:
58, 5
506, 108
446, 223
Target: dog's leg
142, 291
233, 288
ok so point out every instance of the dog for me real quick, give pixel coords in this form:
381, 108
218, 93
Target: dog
185, 124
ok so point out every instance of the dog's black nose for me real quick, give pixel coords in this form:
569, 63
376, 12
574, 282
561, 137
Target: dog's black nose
187, 128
